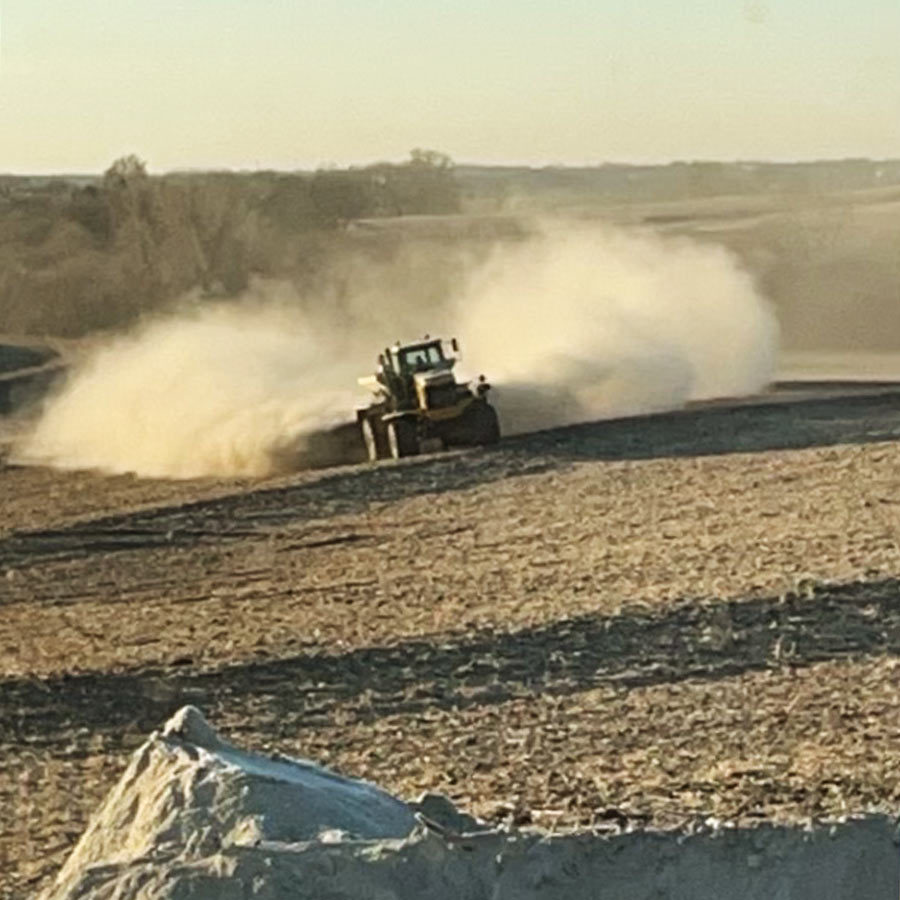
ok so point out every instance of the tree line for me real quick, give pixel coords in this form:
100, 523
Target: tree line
75, 257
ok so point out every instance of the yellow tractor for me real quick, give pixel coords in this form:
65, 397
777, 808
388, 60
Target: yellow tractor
419, 405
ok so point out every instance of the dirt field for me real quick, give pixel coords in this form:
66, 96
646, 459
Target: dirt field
646, 621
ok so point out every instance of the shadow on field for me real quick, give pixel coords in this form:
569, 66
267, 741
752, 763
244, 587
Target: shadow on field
782, 424
778, 424
695, 640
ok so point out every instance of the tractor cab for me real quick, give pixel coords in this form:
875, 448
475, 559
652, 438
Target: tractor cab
428, 355
418, 375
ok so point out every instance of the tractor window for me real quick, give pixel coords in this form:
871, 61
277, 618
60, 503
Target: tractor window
421, 357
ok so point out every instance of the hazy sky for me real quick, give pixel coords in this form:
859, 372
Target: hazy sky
246, 83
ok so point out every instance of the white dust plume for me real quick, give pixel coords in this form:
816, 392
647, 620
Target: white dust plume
587, 322
570, 324
217, 392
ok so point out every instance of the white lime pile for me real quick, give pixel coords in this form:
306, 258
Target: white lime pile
194, 817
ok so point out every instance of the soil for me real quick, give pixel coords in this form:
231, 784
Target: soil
650, 621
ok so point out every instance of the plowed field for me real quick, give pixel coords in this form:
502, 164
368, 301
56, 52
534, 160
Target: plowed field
648, 621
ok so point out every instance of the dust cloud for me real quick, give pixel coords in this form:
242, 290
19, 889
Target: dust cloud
221, 391
584, 323
569, 324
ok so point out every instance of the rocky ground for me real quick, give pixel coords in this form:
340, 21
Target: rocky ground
650, 621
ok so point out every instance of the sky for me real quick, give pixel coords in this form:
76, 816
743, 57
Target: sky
276, 84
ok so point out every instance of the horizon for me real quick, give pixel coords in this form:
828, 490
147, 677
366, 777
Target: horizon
458, 164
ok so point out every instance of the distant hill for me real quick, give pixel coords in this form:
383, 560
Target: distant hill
558, 187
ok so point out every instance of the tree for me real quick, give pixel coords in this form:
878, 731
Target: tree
433, 159
124, 170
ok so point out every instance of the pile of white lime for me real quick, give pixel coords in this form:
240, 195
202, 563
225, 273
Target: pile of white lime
194, 817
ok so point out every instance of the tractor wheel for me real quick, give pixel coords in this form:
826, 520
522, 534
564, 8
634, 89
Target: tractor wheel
368, 436
374, 436
402, 439
485, 424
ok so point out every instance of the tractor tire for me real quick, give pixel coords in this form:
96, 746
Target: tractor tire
374, 451
402, 438
484, 424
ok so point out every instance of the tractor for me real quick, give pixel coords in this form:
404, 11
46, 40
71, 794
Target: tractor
419, 405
